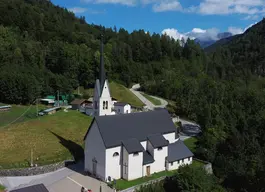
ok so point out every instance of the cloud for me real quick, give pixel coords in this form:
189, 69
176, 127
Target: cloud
167, 6
235, 30
223, 7
203, 34
122, 2
251, 17
77, 10
174, 34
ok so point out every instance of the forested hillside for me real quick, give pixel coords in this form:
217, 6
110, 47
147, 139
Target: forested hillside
44, 48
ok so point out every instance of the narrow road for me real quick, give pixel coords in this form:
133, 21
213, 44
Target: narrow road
148, 103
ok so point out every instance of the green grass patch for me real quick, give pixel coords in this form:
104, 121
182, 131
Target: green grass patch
19, 113
2, 188
123, 94
123, 184
196, 163
191, 143
151, 99
52, 138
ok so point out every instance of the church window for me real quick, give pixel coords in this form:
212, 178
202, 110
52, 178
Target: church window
104, 103
107, 103
115, 154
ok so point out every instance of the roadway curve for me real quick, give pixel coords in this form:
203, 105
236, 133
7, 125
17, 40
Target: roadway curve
148, 103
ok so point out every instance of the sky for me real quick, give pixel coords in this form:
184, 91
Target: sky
177, 18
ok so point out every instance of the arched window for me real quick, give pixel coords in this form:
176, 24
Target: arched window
115, 154
104, 103
107, 103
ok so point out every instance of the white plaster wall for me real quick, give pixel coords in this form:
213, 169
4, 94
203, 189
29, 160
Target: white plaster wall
176, 164
125, 159
94, 147
105, 96
150, 148
135, 166
113, 164
127, 107
160, 160
170, 137
144, 144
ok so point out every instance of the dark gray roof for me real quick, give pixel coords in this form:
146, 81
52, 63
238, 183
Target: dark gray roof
34, 188
117, 128
157, 140
133, 146
147, 158
178, 151
120, 104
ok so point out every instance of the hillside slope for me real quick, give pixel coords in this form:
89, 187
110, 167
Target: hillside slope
45, 48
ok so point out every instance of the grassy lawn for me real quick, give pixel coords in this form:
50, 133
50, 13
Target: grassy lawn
2, 188
191, 143
196, 163
123, 94
151, 99
123, 184
52, 138
24, 112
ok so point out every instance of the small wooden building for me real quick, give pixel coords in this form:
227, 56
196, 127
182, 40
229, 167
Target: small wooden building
77, 104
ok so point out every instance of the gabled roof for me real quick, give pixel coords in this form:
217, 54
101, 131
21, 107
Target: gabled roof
77, 101
34, 188
178, 151
147, 158
157, 140
120, 104
132, 146
117, 128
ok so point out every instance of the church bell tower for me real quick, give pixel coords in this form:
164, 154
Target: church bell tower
102, 103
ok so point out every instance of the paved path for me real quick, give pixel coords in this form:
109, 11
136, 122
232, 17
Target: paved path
148, 103
63, 180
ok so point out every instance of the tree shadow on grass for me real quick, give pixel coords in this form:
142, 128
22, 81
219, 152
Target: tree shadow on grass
77, 152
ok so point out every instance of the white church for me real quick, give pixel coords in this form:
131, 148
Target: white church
130, 145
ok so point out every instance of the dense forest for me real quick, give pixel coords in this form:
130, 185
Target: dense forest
45, 48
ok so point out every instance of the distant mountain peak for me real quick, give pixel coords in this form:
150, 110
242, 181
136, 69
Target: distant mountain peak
205, 42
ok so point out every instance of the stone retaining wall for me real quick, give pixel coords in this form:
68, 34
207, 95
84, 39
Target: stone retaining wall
33, 170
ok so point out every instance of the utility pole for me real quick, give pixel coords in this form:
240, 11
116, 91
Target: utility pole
58, 94
37, 107
31, 159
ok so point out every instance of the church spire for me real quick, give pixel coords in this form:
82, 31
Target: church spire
102, 74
